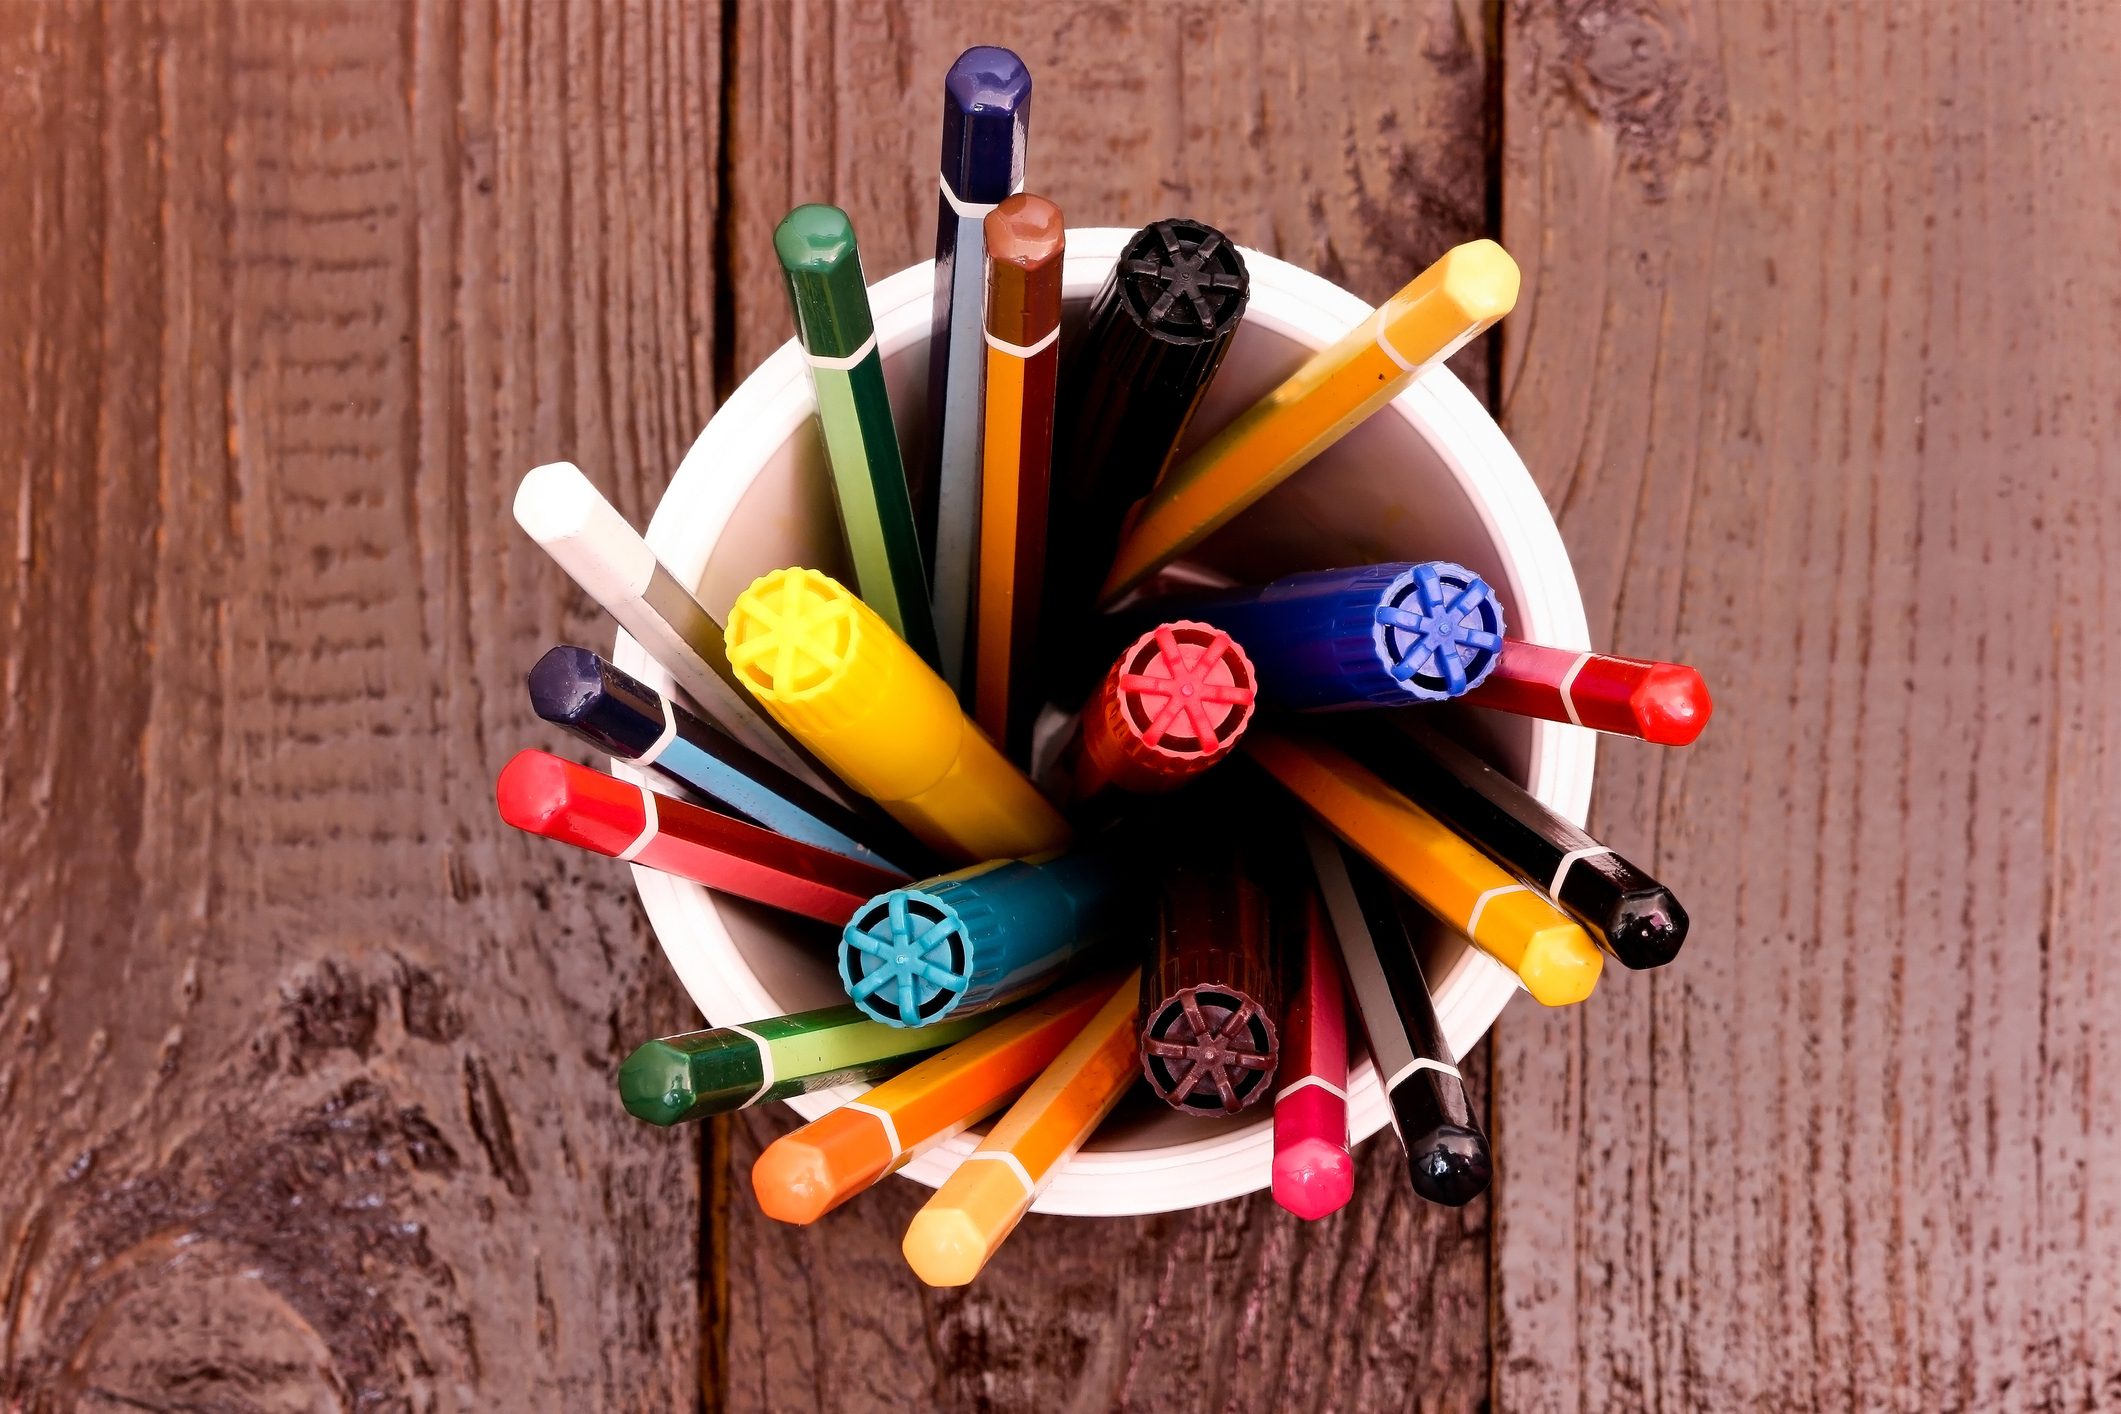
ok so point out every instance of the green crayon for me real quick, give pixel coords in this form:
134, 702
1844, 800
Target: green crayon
735, 1067
833, 323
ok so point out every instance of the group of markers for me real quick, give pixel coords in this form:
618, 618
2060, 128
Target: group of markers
863, 757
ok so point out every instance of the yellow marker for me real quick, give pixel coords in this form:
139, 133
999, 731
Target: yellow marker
1447, 304
980, 1205
1550, 953
805, 1175
828, 668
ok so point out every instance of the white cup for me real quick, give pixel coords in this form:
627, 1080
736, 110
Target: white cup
1429, 477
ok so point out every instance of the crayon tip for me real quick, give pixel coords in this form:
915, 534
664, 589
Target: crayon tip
1560, 965
1450, 1165
944, 1246
1671, 705
1313, 1177
532, 791
564, 683
1480, 278
1647, 931
655, 1084
793, 1181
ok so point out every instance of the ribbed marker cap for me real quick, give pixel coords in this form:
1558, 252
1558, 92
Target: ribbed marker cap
1438, 630
1173, 704
823, 267
1209, 1044
986, 119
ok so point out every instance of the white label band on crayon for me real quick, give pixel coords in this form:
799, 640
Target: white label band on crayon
1421, 1063
1385, 345
1561, 870
970, 210
890, 1129
765, 1063
844, 362
1016, 1166
1568, 679
649, 825
1480, 904
1026, 352
661, 743
1309, 1082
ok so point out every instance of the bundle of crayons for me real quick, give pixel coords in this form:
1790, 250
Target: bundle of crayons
864, 756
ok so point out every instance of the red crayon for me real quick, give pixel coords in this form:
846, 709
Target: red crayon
1313, 1172
545, 795
1665, 703
1174, 704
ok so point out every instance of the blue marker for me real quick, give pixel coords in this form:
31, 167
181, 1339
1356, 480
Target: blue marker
1374, 635
986, 120
979, 938
616, 712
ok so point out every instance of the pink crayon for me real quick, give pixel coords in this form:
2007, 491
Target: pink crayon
1313, 1172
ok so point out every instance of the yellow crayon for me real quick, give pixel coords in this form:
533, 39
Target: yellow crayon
1550, 953
1447, 304
827, 667
978, 1206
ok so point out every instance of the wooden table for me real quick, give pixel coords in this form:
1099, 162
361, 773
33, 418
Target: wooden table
304, 1092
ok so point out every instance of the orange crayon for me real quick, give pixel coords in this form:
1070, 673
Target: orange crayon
805, 1175
977, 1207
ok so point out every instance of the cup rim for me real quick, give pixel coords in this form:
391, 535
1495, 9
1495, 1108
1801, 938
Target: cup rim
773, 403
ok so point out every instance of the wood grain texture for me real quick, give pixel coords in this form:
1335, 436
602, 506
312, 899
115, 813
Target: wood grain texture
305, 1097
1351, 143
1814, 360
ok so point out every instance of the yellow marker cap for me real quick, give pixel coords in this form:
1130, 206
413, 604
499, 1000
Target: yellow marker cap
830, 669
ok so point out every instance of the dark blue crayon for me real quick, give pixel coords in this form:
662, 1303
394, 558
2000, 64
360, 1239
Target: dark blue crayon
616, 712
1372, 635
978, 938
986, 123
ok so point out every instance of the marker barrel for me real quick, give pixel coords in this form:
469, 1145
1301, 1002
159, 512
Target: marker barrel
559, 800
834, 674
688, 1077
978, 1206
1314, 1174
1663, 703
1174, 703
588, 538
1426, 322
1447, 1155
1370, 635
979, 938
823, 269
986, 123
1632, 916
1550, 952
802, 1176
1157, 332
1211, 994
615, 712
1026, 241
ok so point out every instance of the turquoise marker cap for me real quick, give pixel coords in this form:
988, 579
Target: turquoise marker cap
976, 939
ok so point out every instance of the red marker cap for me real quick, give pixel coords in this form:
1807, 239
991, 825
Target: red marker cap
1175, 703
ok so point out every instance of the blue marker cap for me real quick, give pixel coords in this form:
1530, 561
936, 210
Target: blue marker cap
986, 116
976, 939
1381, 635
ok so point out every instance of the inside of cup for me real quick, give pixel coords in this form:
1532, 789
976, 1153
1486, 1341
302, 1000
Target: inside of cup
1380, 493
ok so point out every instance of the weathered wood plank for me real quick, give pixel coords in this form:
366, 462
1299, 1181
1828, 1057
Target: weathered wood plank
1814, 359
306, 1090
1354, 144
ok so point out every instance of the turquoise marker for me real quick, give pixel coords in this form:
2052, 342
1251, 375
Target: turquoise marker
979, 938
